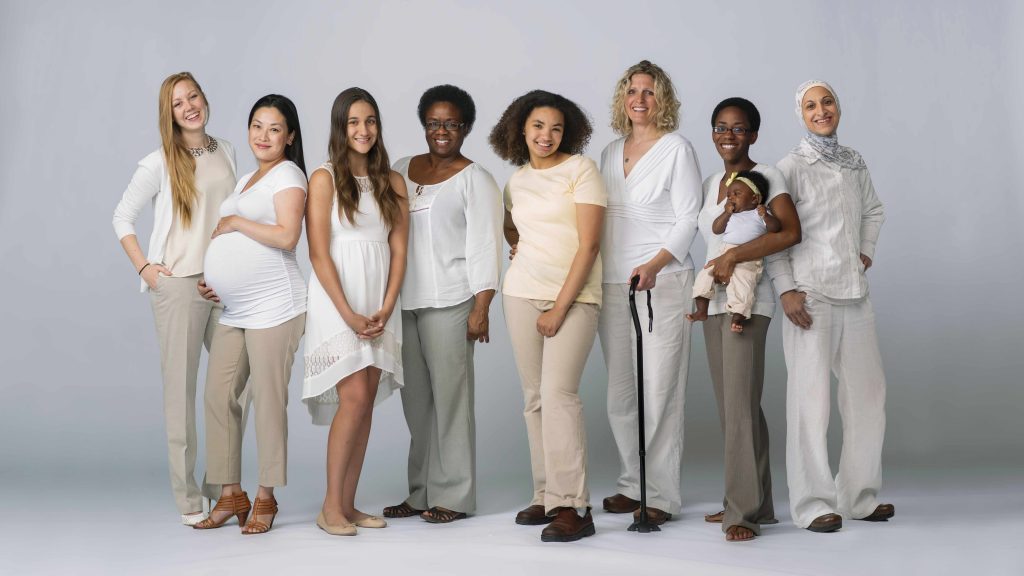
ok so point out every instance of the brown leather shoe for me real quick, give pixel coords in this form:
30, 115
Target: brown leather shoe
826, 523
568, 526
620, 504
881, 514
533, 515
655, 516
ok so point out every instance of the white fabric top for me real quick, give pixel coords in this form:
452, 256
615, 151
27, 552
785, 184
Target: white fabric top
655, 207
260, 286
454, 238
152, 184
840, 219
744, 227
764, 300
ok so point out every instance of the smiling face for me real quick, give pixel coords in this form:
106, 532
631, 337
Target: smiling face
641, 105
361, 128
543, 131
741, 197
269, 135
188, 107
732, 147
444, 143
819, 110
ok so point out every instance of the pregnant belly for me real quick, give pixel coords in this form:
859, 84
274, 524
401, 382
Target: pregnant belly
237, 267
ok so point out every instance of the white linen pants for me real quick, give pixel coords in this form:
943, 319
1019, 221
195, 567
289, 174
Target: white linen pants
666, 360
841, 340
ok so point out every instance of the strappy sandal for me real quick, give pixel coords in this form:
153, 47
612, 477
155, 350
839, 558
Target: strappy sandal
402, 510
261, 507
237, 505
715, 518
438, 515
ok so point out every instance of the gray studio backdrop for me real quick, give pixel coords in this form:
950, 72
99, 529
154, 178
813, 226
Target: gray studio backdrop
930, 96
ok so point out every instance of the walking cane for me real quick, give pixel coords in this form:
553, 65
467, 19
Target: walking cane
643, 524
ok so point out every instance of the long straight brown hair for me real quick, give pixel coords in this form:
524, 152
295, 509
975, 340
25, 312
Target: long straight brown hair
378, 165
181, 166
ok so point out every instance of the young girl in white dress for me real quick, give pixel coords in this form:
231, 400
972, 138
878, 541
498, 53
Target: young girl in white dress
357, 224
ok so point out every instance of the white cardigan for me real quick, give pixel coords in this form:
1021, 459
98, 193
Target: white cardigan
151, 183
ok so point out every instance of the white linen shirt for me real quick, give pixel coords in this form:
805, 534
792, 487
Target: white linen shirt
764, 299
152, 184
840, 219
655, 207
454, 238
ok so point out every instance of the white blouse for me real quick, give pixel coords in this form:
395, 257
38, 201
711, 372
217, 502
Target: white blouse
655, 207
840, 219
764, 299
454, 238
259, 285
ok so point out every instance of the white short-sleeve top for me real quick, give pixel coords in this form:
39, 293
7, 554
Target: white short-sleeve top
259, 285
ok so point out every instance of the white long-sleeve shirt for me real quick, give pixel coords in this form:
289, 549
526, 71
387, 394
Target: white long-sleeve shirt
454, 238
840, 219
151, 184
655, 207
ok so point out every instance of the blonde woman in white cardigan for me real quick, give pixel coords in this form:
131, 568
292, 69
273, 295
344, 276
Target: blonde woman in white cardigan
654, 196
185, 180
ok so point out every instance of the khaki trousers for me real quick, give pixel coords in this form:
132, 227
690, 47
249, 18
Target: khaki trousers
184, 322
841, 341
265, 354
550, 370
438, 403
666, 361
736, 362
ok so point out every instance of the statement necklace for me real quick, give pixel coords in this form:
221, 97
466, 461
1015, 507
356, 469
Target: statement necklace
210, 147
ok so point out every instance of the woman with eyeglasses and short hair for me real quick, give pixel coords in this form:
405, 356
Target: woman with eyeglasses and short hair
453, 266
653, 183
736, 358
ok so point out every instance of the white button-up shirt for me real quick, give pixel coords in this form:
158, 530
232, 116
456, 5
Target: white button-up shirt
840, 219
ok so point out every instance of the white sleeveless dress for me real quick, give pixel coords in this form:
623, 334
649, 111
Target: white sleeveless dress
332, 350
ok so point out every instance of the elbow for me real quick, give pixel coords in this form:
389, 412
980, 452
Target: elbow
794, 237
590, 250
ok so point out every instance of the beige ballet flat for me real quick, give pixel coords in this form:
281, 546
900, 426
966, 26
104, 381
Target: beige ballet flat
335, 529
372, 522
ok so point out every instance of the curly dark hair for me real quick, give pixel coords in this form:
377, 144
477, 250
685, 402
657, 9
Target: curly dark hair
507, 135
453, 95
746, 106
759, 180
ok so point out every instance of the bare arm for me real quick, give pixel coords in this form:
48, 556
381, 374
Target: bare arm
720, 223
478, 324
148, 271
288, 207
318, 235
510, 231
398, 243
770, 221
589, 221
767, 244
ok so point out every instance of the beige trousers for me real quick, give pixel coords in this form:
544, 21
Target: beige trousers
741, 289
265, 354
550, 370
184, 322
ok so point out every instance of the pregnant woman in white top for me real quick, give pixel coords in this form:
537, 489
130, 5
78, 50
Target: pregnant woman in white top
185, 180
357, 224
251, 268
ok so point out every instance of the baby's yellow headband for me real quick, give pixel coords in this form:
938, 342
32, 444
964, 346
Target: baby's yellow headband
750, 184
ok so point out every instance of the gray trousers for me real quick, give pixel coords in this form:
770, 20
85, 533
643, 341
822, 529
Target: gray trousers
736, 362
438, 403
184, 322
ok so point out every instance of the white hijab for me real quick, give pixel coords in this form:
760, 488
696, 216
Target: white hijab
816, 147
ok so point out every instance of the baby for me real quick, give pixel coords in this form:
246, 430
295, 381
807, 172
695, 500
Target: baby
744, 219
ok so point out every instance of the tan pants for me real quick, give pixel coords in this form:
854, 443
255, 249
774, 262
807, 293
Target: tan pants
267, 355
741, 289
184, 322
550, 370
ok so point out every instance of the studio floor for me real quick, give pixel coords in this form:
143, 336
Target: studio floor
949, 522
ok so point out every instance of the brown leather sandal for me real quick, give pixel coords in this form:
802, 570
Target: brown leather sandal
261, 507
402, 510
238, 505
715, 518
438, 515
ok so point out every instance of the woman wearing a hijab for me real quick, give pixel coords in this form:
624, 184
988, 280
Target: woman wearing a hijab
831, 329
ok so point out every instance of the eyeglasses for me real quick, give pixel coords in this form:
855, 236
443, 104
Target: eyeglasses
450, 125
737, 130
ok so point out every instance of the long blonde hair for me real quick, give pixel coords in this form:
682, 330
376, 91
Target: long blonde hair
667, 117
181, 166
